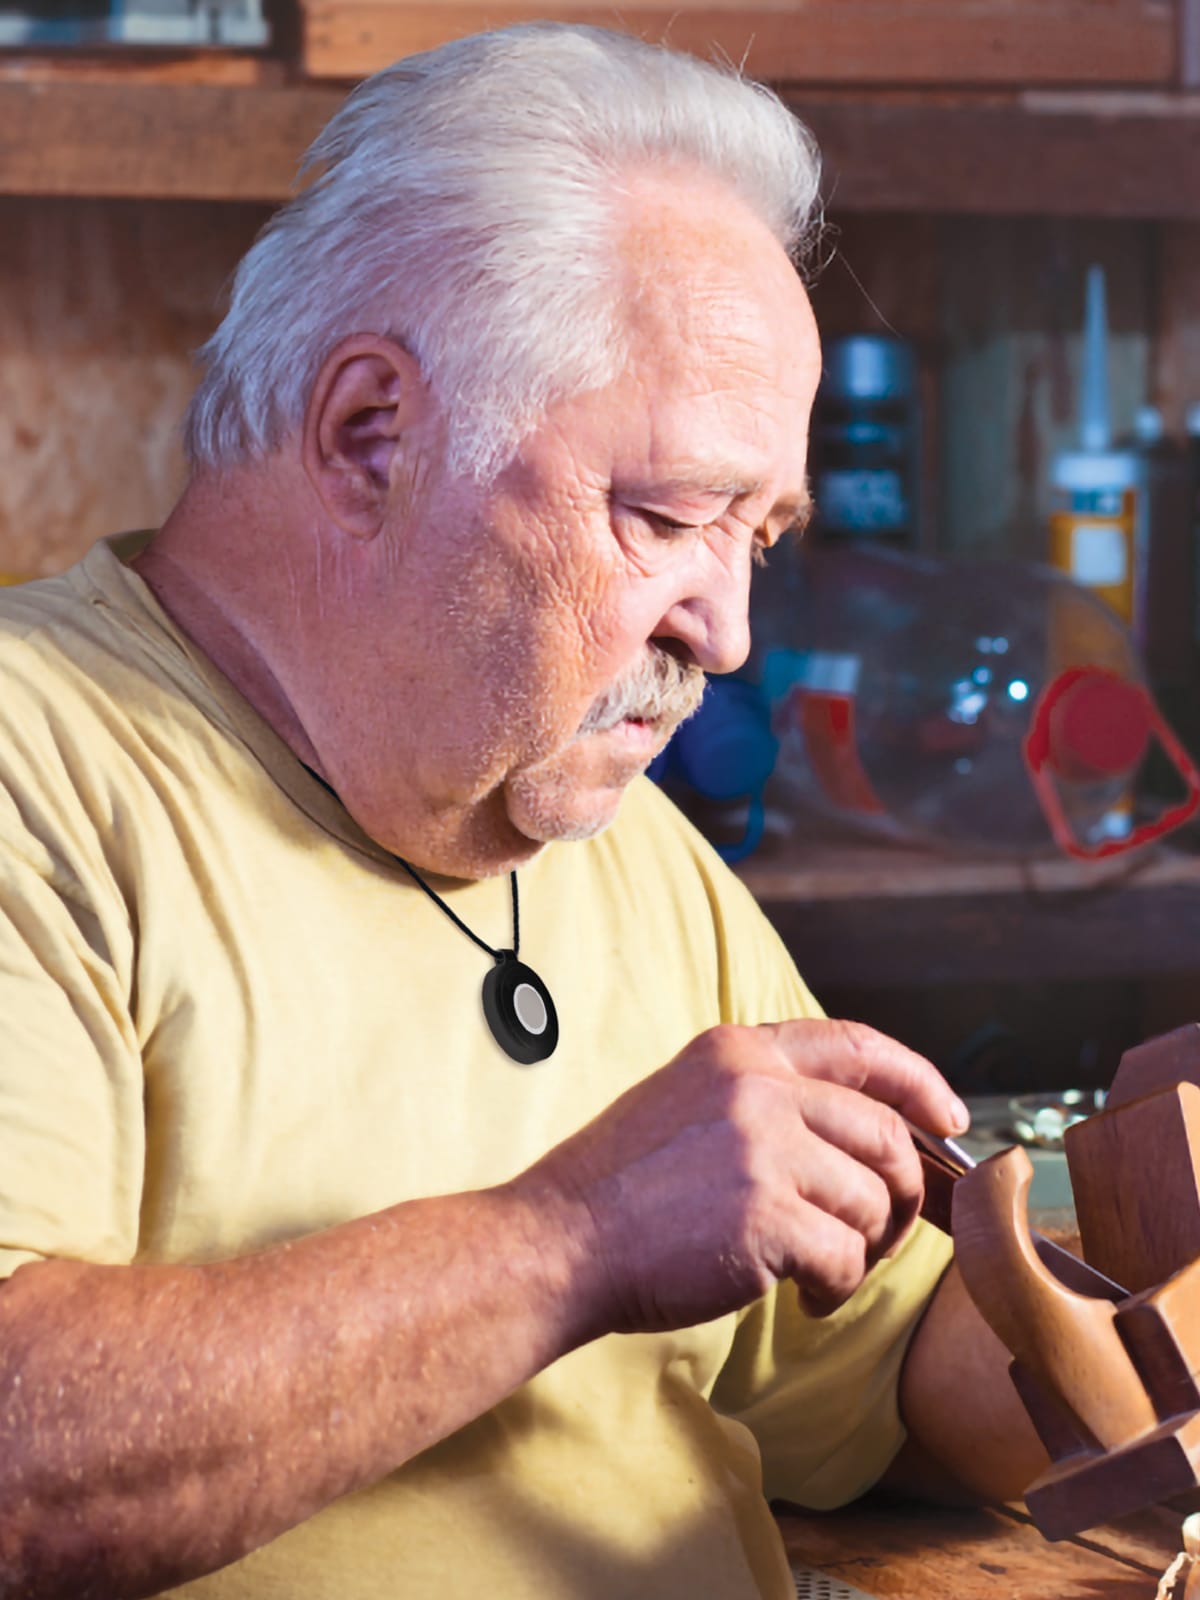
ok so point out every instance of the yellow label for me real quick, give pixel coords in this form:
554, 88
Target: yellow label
1098, 553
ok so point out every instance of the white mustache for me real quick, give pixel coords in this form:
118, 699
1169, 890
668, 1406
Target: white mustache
660, 690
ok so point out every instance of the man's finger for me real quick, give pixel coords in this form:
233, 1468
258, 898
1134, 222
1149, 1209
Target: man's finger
860, 1058
855, 1193
870, 1135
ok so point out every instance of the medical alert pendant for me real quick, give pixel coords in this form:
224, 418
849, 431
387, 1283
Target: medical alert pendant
519, 1010
516, 1002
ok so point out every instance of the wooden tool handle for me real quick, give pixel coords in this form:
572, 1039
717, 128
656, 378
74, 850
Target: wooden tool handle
1067, 1340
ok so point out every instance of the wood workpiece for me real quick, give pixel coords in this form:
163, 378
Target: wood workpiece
1108, 1372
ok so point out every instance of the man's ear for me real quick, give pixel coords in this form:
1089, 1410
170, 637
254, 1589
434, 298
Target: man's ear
368, 394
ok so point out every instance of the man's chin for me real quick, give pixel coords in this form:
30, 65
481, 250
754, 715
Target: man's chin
577, 793
547, 808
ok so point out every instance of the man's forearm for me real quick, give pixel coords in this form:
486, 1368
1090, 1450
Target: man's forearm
158, 1422
969, 1435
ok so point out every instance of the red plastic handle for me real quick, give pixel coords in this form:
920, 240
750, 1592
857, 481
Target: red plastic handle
1038, 751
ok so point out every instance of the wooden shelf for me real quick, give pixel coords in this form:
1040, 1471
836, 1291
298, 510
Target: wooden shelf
874, 916
1016, 42
178, 141
1037, 154
1116, 155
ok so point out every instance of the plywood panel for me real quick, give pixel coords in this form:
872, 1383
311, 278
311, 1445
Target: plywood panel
101, 304
832, 41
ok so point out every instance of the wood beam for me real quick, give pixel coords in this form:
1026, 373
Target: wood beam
1017, 42
1119, 156
1115, 155
156, 140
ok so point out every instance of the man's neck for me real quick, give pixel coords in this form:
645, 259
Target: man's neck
210, 615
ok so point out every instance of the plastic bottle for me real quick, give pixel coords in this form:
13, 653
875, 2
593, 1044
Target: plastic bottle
1095, 489
995, 707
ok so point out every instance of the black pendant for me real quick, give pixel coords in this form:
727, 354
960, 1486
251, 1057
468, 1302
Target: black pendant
519, 1010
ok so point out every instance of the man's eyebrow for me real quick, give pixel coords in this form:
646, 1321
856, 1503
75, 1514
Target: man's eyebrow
794, 512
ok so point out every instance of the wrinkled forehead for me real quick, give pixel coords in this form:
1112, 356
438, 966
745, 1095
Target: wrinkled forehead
724, 361
705, 285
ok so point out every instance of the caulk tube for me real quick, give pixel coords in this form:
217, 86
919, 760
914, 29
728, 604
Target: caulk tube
1096, 519
1095, 489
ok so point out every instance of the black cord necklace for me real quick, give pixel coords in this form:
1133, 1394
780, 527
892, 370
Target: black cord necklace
516, 1002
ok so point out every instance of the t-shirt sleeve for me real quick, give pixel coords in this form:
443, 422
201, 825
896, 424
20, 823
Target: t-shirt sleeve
819, 1395
72, 1144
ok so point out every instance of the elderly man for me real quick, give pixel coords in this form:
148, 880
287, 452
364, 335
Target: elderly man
421, 1169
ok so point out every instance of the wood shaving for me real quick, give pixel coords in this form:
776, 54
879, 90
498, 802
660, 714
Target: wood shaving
1181, 1580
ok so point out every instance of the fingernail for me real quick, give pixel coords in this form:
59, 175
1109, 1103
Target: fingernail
962, 1117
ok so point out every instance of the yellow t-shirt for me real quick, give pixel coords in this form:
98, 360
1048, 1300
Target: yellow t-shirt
230, 1019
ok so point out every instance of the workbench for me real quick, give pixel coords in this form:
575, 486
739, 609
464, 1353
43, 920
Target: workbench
910, 1552
877, 914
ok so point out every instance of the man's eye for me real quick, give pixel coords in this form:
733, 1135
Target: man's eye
669, 525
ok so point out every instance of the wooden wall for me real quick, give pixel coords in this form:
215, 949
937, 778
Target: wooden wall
103, 301
995, 306
101, 304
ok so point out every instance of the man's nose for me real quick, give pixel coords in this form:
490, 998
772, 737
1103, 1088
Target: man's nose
712, 621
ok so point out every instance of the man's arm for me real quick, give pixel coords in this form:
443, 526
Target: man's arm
969, 1436
157, 1422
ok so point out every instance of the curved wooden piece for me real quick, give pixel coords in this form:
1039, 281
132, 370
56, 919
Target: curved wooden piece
1067, 1340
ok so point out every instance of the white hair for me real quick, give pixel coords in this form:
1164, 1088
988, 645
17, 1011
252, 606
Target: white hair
466, 202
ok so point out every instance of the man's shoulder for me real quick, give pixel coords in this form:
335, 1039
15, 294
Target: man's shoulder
88, 693
83, 643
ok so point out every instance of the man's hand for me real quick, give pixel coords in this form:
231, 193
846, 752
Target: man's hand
757, 1154
127, 1392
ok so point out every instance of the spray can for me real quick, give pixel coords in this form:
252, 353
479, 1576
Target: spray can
1095, 489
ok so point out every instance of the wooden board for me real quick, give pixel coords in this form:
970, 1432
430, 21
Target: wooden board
1116, 156
824, 41
95, 365
929, 940
910, 1552
125, 64
1135, 1172
156, 140
1070, 155
814, 869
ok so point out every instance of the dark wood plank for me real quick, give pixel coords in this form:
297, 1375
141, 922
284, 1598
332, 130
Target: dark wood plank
1110, 156
928, 940
827, 41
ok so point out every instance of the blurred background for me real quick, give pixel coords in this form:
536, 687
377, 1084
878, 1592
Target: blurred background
984, 160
